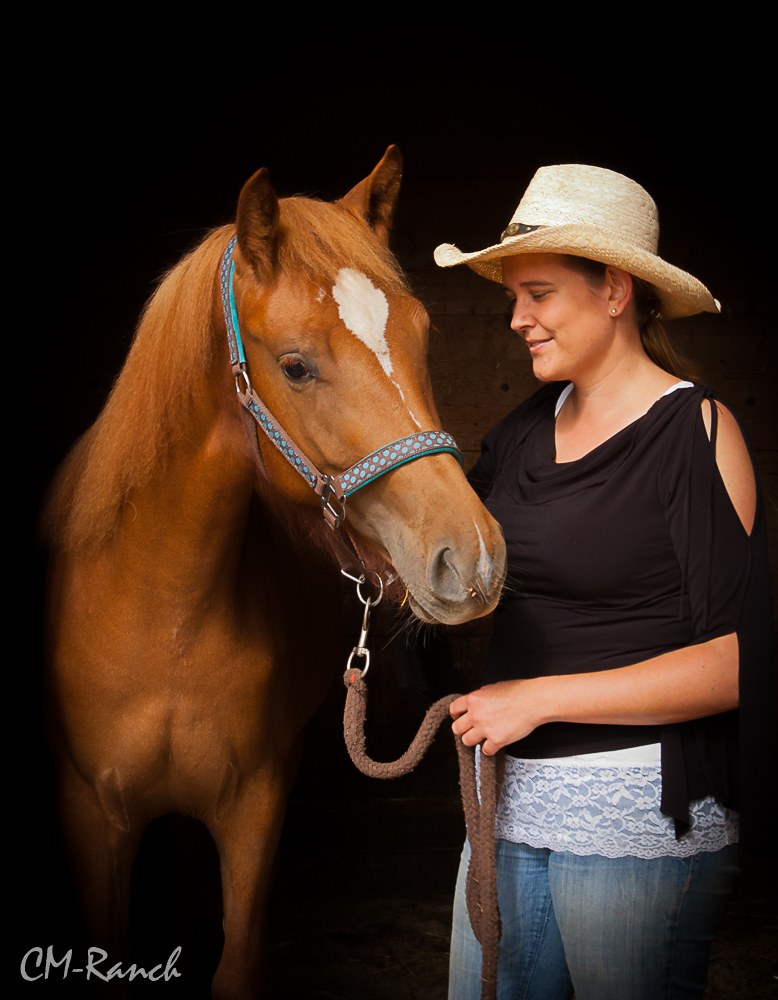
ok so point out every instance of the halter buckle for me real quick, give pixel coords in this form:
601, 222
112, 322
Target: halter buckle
327, 492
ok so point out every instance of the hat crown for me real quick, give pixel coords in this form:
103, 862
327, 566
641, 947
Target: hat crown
573, 193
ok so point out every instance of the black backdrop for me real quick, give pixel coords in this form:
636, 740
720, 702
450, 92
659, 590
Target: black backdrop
121, 174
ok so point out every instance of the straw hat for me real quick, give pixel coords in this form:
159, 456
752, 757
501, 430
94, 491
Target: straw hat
595, 213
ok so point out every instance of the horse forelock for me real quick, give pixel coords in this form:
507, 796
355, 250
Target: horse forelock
320, 239
173, 349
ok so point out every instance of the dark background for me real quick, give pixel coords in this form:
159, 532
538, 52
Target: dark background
125, 163
127, 176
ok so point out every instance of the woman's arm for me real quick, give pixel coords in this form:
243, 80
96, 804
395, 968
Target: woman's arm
734, 463
683, 684
688, 683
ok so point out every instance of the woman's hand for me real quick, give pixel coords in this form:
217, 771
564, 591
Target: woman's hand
688, 683
498, 713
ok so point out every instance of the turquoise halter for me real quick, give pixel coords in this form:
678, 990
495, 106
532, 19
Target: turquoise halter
330, 488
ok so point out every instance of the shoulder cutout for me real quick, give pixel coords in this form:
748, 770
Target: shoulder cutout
734, 463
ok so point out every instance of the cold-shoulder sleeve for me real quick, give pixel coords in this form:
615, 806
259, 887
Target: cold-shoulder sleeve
726, 589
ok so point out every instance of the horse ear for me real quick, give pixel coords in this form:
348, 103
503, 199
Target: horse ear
257, 221
374, 198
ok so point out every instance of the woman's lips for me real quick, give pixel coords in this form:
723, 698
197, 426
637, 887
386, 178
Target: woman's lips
535, 345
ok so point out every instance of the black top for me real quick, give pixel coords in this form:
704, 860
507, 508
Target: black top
631, 551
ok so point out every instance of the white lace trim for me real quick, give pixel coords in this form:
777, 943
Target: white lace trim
595, 809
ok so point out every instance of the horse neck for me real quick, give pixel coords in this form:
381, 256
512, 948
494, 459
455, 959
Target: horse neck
183, 530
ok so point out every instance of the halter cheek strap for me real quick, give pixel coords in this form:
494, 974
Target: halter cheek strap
332, 489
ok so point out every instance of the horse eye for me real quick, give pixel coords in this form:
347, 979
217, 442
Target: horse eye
295, 370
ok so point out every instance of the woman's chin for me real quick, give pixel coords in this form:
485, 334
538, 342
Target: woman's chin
544, 374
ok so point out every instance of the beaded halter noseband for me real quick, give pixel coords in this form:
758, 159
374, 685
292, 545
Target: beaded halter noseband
331, 489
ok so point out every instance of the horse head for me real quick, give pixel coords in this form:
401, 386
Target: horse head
337, 350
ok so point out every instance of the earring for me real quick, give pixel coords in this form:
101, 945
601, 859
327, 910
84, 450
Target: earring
613, 311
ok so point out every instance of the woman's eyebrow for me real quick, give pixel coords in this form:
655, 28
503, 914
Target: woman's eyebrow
528, 284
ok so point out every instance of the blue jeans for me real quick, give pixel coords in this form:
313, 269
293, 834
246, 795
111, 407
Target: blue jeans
610, 929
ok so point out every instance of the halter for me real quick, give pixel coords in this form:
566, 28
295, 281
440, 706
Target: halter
330, 488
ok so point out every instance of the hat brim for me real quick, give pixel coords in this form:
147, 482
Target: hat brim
681, 294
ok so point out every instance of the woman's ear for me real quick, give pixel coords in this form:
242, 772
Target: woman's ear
619, 287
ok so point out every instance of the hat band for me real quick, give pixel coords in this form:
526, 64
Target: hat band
517, 229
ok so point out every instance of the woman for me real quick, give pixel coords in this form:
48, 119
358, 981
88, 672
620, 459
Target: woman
635, 620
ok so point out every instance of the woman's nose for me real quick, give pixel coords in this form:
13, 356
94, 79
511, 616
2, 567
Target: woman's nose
521, 319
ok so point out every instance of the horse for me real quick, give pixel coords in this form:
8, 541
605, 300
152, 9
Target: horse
191, 596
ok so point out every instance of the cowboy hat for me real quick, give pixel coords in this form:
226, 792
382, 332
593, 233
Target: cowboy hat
595, 213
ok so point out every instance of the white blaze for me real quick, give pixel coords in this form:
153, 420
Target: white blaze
485, 564
402, 397
364, 310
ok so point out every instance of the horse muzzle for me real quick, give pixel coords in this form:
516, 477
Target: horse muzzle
460, 587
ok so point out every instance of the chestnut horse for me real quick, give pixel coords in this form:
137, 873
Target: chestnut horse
193, 595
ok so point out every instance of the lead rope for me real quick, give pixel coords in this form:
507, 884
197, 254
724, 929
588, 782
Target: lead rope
482, 903
481, 891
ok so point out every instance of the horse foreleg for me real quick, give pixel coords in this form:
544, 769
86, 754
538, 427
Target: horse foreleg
101, 849
247, 840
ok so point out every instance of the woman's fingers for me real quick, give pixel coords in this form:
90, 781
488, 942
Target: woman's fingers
495, 713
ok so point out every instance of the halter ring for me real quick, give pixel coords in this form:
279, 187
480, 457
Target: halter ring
242, 373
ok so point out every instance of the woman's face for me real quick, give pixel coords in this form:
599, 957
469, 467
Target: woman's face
563, 319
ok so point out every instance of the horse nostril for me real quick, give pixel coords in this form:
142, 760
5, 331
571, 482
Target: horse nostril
443, 576
453, 576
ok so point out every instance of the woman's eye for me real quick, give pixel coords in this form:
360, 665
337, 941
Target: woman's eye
295, 370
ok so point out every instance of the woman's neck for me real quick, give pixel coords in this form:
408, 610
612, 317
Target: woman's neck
597, 409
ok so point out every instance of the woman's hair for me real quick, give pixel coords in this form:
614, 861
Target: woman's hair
653, 337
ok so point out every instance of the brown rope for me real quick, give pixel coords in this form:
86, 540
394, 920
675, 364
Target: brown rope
482, 903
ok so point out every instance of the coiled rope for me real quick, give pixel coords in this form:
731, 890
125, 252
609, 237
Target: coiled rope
480, 813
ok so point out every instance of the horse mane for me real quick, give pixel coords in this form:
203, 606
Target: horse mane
173, 351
